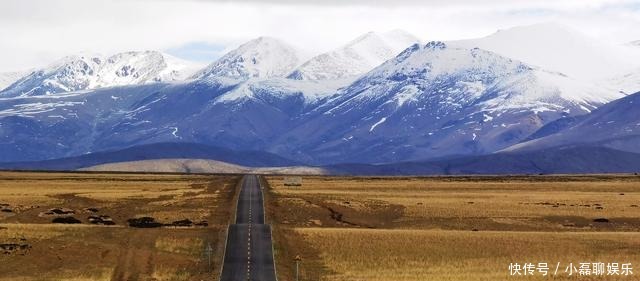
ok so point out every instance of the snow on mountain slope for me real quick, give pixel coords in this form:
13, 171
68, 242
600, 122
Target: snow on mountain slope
264, 57
433, 101
71, 73
132, 68
217, 111
614, 125
83, 72
311, 91
357, 57
8, 78
527, 85
559, 48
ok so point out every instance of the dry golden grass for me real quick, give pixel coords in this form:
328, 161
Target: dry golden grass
37, 231
102, 274
460, 204
421, 228
365, 254
171, 274
120, 252
38, 188
185, 246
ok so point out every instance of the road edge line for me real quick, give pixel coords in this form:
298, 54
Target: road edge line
264, 218
273, 256
224, 253
226, 237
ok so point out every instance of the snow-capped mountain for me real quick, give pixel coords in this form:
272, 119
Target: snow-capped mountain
229, 113
357, 57
8, 78
132, 68
264, 57
433, 100
85, 72
429, 101
615, 125
559, 48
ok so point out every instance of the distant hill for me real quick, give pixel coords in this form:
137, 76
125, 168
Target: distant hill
199, 166
565, 160
158, 151
614, 125
198, 158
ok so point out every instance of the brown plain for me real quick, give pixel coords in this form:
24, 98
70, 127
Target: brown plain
97, 252
453, 228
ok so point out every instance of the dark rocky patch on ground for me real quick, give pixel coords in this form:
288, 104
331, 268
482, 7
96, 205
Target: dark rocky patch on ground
183, 223
144, 222
104, 220
66, 220
92, 210
149, 222
20, 248
58, 212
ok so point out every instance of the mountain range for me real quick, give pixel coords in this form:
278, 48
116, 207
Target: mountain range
432, 101
87, 72
383, 101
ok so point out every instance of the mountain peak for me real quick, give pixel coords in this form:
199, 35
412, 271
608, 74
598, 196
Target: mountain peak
263, 57
356, 57
559, 48
262, 41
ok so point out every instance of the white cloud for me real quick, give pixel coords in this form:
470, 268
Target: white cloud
35, 32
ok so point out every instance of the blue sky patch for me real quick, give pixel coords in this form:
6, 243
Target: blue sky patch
198, 51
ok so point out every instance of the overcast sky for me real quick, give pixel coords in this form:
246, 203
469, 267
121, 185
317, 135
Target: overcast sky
36, 32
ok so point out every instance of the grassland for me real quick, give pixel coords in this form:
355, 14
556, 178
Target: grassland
453, 228
87, 251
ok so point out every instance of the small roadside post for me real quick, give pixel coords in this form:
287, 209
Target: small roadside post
297, 259
208, 251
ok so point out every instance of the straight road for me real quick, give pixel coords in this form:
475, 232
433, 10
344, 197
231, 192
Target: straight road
249, 251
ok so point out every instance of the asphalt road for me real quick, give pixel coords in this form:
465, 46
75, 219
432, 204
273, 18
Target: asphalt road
249, 252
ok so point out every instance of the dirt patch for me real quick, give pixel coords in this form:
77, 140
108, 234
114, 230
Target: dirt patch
339, 217
313, 211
